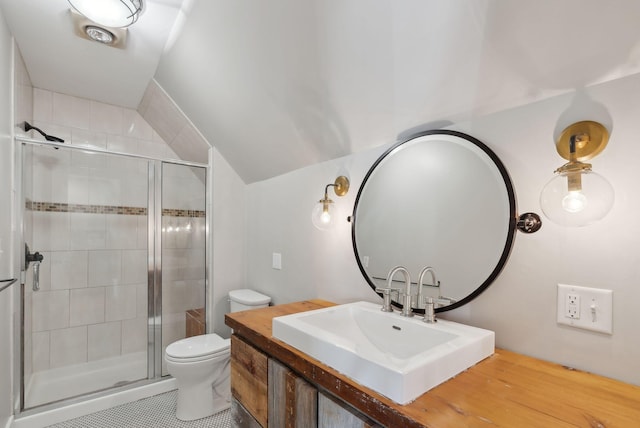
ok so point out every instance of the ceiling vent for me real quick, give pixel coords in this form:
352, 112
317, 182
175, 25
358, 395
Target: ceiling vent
89, 30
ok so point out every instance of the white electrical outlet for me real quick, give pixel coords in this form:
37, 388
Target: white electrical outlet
587, 308
572, 306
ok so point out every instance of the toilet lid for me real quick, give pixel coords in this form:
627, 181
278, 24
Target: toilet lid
198, 346
249, 297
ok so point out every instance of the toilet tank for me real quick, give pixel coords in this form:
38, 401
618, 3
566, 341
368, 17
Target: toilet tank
244, 299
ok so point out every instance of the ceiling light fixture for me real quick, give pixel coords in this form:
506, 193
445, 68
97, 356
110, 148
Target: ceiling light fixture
110, 13
321, 216
577, 196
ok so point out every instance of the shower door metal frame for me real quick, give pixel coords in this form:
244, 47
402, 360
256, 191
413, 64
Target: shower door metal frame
154, 268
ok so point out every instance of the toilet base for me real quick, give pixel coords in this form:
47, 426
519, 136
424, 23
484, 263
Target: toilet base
197, 403
199, 399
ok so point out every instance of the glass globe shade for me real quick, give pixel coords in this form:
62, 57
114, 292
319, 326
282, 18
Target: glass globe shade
110, 13
578, 207
322, 215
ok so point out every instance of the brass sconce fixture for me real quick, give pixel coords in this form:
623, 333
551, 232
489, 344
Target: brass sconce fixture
577, 196
322, 214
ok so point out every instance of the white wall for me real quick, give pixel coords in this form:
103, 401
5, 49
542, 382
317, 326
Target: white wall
520, 306
6, 156
315, 264
228, 239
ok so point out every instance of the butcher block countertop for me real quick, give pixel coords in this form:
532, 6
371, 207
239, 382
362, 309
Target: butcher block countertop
504, 390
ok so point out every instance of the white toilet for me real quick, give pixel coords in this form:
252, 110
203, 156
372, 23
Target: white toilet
200, 365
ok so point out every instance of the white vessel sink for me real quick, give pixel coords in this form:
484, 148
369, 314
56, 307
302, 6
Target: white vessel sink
398, 357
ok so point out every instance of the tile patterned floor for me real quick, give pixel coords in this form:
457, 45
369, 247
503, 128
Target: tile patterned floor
153, 412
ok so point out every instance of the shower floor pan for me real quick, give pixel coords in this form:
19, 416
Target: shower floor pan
60, 383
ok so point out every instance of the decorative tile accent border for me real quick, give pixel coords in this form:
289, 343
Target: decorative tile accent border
58, 207
182, 213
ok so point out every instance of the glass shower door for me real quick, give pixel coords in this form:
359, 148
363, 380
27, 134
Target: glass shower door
86, 327
183, 250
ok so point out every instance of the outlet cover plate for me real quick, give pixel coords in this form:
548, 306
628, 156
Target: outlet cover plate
595, 308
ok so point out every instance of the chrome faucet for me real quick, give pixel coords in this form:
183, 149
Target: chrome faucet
386, 292
406, 305
434, 282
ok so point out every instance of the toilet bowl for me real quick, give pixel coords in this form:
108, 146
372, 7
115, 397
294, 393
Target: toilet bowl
200, 365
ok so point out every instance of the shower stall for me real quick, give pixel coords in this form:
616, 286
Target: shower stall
114, 267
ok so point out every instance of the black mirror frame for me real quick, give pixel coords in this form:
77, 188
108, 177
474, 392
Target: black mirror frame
512, 215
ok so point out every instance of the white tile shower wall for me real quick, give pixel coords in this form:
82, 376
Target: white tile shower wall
93, 124
86, 306
120, 303
50, 310
67, 270
68, 346
89, 287
104, 340
171, 124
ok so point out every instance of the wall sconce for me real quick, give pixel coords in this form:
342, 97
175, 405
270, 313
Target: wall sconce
110, 13
577, 196
322, 214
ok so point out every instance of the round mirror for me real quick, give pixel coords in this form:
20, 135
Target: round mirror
441, 199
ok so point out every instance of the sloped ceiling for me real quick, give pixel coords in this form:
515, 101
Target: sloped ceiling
277, 85
282, 84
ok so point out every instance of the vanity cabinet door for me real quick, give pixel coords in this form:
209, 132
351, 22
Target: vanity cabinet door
333, 413
293, 402
249, 374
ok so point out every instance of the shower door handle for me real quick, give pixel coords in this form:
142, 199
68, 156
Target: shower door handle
36, 276
34, 258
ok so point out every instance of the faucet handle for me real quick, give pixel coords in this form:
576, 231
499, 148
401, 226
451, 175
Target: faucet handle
429, 310
407, 310
386, 295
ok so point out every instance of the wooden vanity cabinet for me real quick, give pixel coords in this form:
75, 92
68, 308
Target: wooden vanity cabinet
249, 380
266, 393
272, 383
334, 413
293, 402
